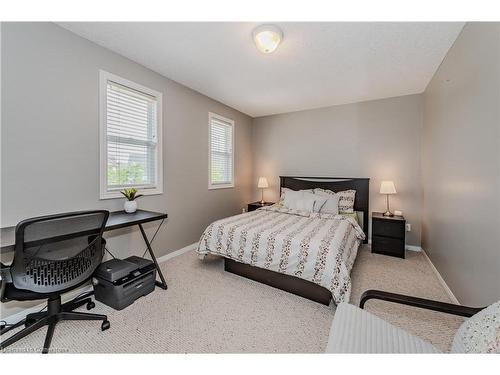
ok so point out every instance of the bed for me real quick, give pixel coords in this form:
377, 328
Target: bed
308, 254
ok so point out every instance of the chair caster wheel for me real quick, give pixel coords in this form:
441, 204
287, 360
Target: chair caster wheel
105, 325
90, 305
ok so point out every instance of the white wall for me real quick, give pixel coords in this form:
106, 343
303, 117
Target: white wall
461, 165
378, 139
50, 147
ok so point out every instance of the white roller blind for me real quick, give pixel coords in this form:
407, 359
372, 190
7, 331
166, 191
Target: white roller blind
221, 151
131, 134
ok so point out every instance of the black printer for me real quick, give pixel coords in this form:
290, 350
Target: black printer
119, 282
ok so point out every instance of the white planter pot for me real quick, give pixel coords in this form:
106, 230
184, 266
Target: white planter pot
130, 206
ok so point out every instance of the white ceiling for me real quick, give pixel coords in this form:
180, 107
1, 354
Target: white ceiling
317, 64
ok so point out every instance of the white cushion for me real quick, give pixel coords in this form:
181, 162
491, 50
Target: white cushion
319, 202
284, 191
357, 331
302, 200
480, 333
331, 205
290, 197
306, 204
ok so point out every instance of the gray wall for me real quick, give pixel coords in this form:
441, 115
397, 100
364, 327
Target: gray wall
50, 131
461, 164
50, 148
379, 139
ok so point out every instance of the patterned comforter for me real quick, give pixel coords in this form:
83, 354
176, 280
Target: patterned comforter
315, 247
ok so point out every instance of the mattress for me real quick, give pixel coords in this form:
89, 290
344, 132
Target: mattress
315, 247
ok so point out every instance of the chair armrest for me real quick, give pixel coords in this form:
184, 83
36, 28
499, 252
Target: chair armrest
422, 303
5, 276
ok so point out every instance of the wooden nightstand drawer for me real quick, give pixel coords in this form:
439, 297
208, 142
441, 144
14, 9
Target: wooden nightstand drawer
388, 234
388, 246
388, 228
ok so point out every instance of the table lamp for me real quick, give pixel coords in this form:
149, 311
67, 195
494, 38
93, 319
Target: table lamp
262, 184
387, 188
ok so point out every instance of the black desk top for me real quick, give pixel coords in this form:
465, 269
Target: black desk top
116, 220
120, 219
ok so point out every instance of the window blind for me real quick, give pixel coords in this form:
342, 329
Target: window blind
131, 134
221, 152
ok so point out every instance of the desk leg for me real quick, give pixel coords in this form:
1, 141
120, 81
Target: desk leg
161, 284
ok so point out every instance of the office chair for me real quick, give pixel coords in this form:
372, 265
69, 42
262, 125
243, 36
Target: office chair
53, 255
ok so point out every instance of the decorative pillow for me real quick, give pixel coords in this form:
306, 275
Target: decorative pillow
480, 333
346, 199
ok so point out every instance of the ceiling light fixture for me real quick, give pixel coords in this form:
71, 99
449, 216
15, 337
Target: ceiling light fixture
267, 38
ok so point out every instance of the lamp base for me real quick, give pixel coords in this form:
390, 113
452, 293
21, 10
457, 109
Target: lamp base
388, 213
262, 202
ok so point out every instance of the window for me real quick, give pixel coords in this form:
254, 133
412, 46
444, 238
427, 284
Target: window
130, 137
221, 156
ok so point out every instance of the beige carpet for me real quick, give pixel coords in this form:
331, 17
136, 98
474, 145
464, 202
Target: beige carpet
206, 310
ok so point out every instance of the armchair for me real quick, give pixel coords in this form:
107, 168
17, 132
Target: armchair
355, 330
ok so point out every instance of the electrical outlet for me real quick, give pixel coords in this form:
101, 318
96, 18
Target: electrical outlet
408, 227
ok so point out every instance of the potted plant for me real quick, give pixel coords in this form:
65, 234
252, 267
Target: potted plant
130, 205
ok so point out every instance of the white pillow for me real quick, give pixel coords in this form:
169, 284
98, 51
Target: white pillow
290, 197
284, 191
308, 202
331, 205
345, 199
304, 205
324, 193
319, 202
480, 333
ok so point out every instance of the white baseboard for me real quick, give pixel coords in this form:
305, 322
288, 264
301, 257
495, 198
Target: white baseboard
413, 248
175, 253
434, 269
11, 319
407, 247
441, 280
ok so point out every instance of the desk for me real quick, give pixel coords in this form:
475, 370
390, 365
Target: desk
116, 220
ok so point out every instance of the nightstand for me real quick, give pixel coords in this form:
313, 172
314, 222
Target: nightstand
253, 206
388, 235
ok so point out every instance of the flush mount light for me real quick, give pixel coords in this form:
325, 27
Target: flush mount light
267, 38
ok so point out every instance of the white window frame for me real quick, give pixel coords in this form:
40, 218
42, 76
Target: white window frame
105, 192
211, 185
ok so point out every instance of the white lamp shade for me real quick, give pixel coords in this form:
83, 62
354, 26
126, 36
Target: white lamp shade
387, 187
262, 183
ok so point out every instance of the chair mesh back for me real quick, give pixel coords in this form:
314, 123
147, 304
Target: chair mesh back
57, 252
